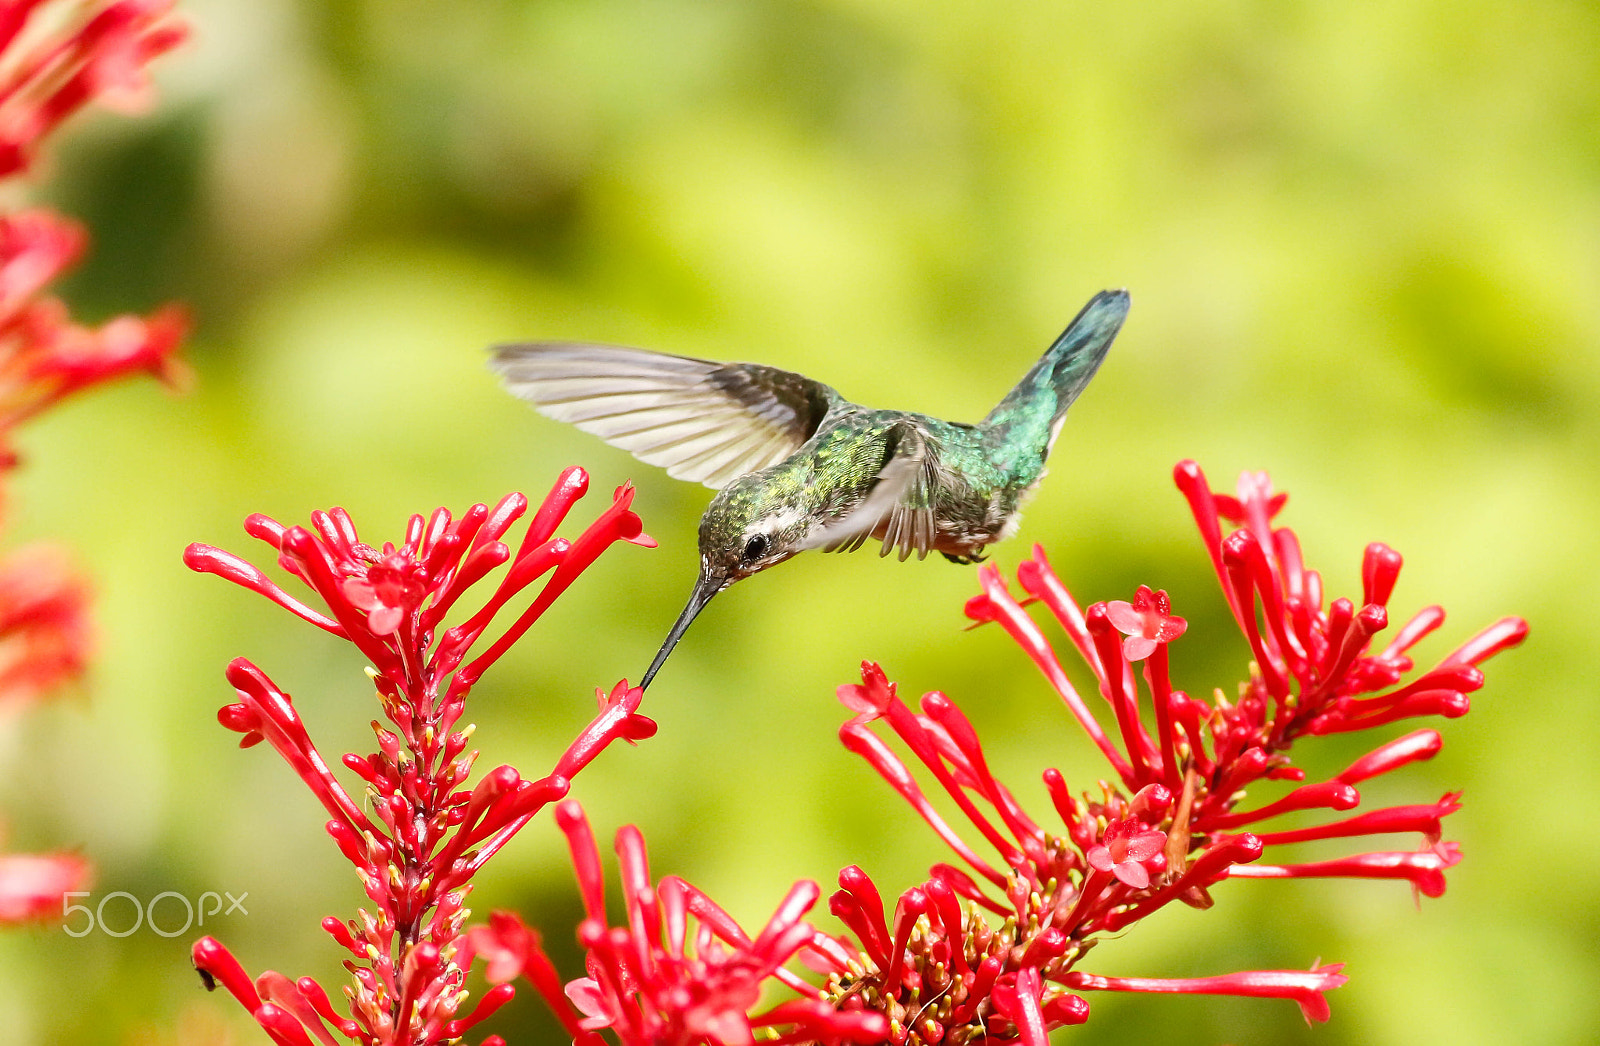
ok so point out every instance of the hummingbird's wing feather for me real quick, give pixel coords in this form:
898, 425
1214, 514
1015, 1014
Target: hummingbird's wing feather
908, 524
701, 420
899, 506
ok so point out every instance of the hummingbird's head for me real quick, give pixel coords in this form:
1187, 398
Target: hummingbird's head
744, 531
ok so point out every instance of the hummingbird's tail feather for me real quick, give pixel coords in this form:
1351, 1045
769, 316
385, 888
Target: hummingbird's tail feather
1042, 397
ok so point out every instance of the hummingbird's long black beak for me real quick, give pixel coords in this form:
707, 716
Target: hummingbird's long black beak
704, 589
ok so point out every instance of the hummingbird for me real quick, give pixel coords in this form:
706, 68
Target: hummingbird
796, 466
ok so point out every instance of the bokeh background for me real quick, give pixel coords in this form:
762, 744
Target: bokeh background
1363, 243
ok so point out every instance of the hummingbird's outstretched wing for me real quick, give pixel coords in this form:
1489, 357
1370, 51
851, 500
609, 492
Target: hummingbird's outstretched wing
700, 420
899, 506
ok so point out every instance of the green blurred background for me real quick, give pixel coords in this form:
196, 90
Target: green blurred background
1363, 243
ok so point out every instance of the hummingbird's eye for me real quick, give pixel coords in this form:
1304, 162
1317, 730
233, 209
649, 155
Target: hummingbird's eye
755, 548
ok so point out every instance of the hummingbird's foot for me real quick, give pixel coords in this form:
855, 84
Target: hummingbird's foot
965, 561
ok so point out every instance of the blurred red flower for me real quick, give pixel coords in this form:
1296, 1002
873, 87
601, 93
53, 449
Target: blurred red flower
56, 57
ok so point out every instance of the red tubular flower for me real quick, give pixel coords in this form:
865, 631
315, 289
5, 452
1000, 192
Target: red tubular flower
1147, 622
1425, 869
1171, 831
1128, 845
680, 972
417, 831
1305, 987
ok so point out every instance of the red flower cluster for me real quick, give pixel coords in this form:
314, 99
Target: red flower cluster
56, 57
988, 951
681, 971
427, 832
1171, 830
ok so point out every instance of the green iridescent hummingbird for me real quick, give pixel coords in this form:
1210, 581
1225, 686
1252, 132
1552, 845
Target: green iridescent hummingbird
797, 466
